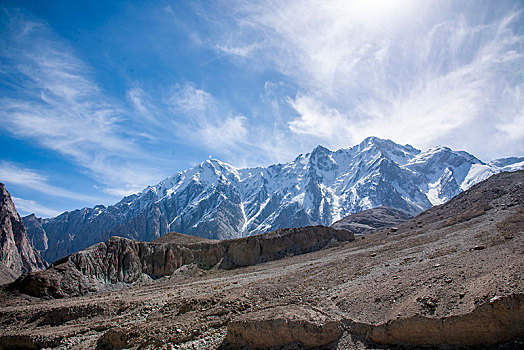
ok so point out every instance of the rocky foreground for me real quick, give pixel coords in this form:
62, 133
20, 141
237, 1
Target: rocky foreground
452, 275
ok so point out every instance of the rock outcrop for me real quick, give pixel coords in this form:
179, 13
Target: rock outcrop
498, 320
276, 327
371, 220
16, 252
124, 261
38, 235
279, 244
6, 275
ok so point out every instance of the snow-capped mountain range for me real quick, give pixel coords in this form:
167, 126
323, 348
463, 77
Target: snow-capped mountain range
217, 200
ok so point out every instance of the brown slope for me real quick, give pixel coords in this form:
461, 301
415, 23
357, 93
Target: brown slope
453, 274
371, 220
16, 251
180, 238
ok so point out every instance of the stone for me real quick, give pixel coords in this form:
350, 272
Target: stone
495, 322
282, 326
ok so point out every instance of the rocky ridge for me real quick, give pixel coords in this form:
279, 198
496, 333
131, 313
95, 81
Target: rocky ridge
371, 220
17, 255
121, 261
216, 200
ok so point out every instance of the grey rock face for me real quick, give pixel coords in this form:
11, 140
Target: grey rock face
218, 201
38, 236
371, 220
6, 275
17, 254
121, 260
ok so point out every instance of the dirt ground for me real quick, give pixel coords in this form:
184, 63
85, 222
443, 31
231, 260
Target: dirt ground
445, 262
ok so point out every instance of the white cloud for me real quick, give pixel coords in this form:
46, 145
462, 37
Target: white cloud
27, 207
12, 174
59, 106
168, 9
200, 119
319, 121
127, 190
511, 118
136, 97
242, 51
189, 99
228, 134
423, 73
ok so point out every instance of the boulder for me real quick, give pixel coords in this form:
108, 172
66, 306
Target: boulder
283, 326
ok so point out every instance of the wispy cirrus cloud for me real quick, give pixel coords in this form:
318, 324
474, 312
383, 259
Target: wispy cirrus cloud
193, 115
228, 133
189, 99
416, 72
13, 174
241, 51
52, 99
28, 206
207, 122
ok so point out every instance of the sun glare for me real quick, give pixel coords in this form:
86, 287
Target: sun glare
375, 9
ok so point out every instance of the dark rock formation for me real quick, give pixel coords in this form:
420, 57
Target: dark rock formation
279, 244
371, 220
16, 252
6, 275
36, 232
121, 260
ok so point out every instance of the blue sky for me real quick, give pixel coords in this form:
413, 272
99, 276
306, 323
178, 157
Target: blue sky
100, 99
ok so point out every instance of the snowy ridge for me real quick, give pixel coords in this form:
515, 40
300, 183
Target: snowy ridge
217, 200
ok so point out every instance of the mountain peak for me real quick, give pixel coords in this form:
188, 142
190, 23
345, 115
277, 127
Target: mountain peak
218, 165
216, 200
372, 140
388, 149
16, 251
6, 204
321, 149
387, 144
321, 159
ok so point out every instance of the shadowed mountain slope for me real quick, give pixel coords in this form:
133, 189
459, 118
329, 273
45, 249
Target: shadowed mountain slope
17, 254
